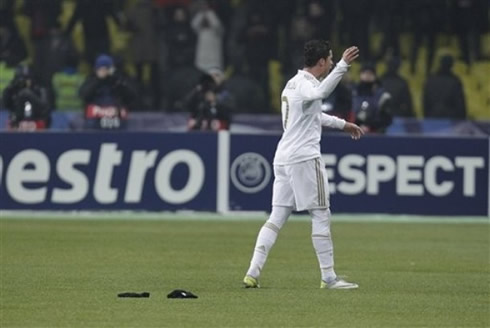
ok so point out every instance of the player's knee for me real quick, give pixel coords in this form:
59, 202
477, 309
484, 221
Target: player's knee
279, 216
275, 223
320, 228
320, 214
320, 222
270, 225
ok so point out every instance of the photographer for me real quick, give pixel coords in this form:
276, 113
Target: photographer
107, 95
371, 103
210, 103
27, 102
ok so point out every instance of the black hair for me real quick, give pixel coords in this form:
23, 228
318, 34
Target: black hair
315, 50
368, 66
446, 63
23, 72
207, 82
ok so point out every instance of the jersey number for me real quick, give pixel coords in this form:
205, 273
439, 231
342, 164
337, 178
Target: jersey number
285, 100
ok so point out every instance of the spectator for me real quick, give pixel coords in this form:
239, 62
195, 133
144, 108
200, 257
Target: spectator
260, 45
142, 22
166, 4
107, 96
12, 47
311, 21
44, 16
339, 102
465, 21
321, 19
301, 31
209, 31
66, 84
210, 103
372, 105
235, 50
356, 23
224, 10
181, 39
443, 93
427, 18
483, 26
27, 102
241, 87
390, 15
93, 16
6, 76
177, 84
398, 88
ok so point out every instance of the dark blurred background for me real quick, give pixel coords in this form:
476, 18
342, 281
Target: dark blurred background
418, 51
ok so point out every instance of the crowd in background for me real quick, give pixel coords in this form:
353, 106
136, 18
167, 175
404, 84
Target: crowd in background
214, 58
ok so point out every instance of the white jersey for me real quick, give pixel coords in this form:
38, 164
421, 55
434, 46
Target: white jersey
302, 116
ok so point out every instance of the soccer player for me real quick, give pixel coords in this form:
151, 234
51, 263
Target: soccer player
300, 176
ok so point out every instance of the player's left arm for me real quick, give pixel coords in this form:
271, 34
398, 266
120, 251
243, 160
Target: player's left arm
354, 130
337, 123
333, 122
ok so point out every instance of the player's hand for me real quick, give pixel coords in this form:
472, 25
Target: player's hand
350, 54
355, 131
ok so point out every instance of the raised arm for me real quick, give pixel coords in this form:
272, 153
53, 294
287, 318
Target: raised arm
214, 21
326, 87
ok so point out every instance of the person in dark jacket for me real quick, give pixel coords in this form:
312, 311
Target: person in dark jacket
339, 102
467, 17
210, 103
427, 19
12, 47
399, 90
356, 19
371, 103
44, 17
107, 96
443, 93
142, 21
27, 102
181, 39
93, 15
258, 34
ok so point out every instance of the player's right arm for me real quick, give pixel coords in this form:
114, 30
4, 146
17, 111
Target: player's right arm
326, 87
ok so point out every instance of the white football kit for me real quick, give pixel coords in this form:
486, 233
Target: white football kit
300, 175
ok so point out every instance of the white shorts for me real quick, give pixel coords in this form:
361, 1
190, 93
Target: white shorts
303, 186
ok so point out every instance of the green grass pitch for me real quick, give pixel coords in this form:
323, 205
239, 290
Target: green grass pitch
67, 273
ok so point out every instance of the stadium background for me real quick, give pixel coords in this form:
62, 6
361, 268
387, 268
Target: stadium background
85, 215
387, 28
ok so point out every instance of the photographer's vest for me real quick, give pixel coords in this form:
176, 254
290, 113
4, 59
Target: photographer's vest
6, 75
66, 87
368, 104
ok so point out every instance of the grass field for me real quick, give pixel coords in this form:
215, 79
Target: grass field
67, 273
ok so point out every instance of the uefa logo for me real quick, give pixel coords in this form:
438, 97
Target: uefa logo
250, 173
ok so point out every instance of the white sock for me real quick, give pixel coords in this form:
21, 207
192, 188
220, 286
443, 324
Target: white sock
322, 242
266, 238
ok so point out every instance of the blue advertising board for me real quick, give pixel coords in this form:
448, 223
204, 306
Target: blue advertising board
251, 172
434, 176
150, 171
220, 172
